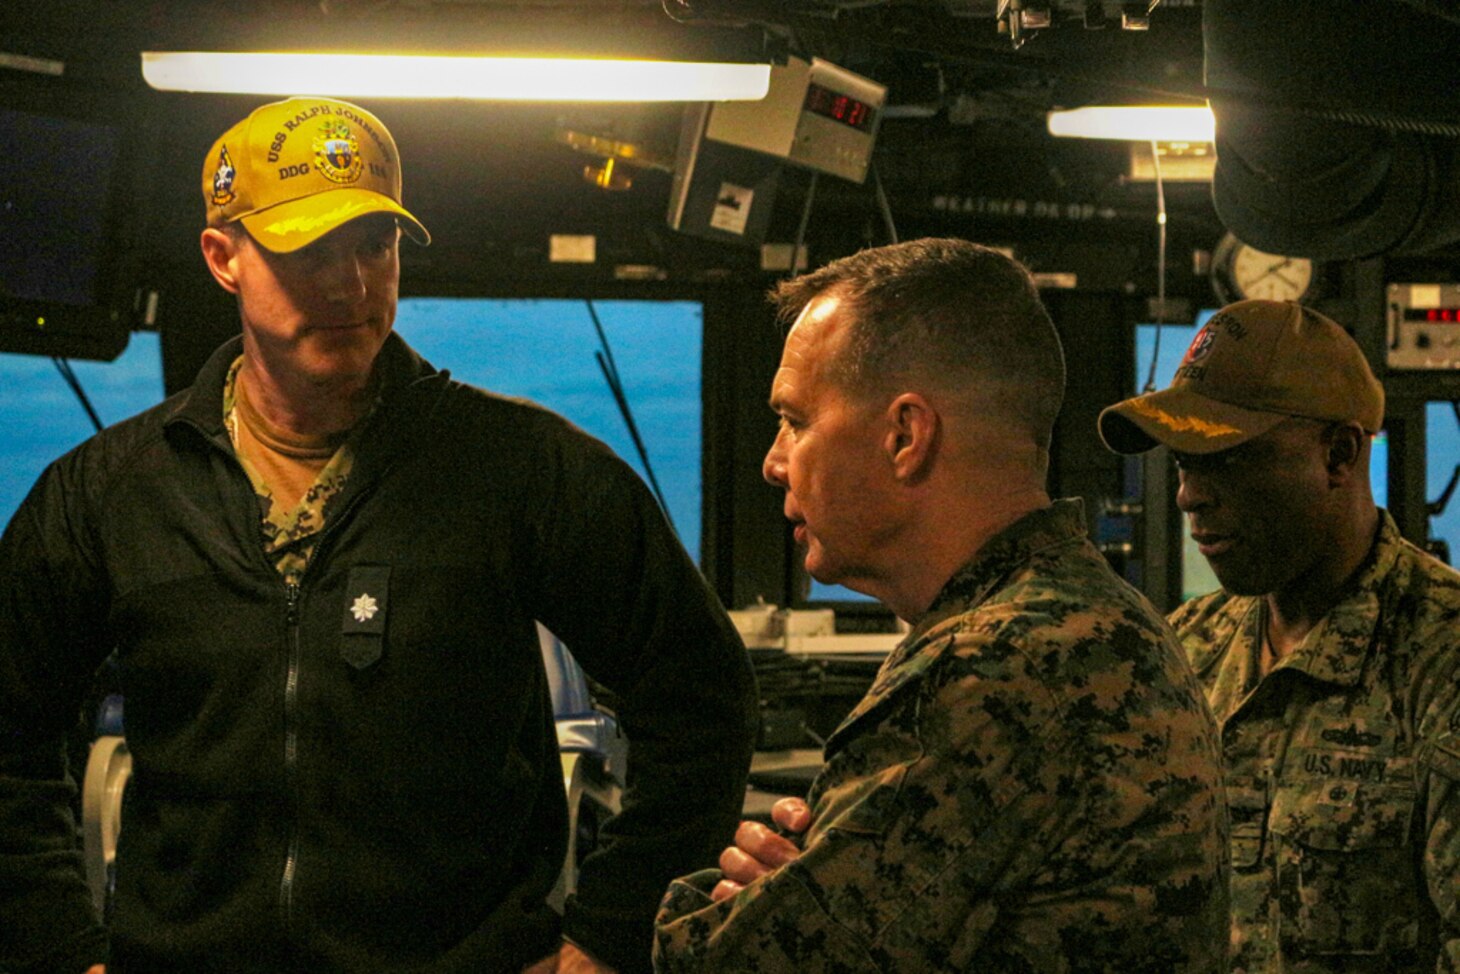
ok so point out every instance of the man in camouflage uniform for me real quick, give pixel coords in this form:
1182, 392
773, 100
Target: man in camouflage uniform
1331, 656
1032, 783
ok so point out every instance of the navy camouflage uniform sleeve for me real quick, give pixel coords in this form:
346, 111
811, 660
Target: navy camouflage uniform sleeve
1441, 762
926, 822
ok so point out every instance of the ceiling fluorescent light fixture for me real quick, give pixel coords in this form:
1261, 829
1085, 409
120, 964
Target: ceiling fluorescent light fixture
428, 76
1145, 123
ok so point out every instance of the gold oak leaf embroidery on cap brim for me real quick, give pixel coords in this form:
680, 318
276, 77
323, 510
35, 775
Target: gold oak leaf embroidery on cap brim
1184, 424
301, 224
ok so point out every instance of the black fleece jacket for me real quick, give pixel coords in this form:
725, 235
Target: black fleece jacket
313, 791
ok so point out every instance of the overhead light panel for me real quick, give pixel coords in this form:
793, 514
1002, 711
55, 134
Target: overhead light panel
1140, 123
455, 76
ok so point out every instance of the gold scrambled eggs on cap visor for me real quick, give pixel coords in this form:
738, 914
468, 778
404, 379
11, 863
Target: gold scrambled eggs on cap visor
288, 226
1186, 421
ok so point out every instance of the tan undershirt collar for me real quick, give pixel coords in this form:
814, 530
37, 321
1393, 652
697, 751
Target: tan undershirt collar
280, 440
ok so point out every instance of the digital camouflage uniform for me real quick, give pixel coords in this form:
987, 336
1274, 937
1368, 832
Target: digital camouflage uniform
289, 536
1031, 784
1343, 771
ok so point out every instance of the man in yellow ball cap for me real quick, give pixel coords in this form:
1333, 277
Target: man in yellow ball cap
322, 568
1331, 655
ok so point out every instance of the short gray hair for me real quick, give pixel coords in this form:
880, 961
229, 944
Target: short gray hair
964, 315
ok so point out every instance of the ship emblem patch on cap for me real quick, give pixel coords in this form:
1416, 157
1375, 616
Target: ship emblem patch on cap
337, 154
223, 179
1201, 345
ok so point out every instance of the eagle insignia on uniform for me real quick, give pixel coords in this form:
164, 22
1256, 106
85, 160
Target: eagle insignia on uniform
337, 153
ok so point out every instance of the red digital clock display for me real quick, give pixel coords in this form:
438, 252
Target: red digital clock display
839, 108
1447, 315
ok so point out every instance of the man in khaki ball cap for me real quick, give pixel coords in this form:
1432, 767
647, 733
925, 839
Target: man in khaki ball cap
322, 568
1331, 655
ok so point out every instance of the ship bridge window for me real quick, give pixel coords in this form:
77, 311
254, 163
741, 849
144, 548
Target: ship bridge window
544, 350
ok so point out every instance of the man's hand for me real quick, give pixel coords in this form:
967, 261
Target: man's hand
569, 959
96, 969
758, 850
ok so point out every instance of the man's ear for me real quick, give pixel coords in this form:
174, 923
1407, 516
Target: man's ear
219, 251
912, 433
1346, 442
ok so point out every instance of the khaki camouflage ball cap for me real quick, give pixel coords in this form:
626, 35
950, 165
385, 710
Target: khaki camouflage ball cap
294, 170
1255, 364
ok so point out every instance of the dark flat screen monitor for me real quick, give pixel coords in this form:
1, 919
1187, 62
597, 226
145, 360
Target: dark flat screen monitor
59, 250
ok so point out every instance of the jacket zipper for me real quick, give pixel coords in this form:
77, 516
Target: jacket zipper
293, 593
291, 705
291, 752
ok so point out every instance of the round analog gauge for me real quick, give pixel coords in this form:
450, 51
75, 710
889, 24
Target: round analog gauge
1240, 271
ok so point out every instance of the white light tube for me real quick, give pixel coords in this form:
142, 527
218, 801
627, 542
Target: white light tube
1154, 123
420, 76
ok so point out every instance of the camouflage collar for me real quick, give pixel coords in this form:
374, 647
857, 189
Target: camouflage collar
1060, 523
1009, 550
1338, 647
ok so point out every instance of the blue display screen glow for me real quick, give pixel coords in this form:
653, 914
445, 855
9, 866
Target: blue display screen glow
1442, 453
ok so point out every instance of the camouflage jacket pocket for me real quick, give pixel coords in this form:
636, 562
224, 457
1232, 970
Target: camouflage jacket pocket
1247, 811
1443, 754
865, 806
1346, 882
860, 790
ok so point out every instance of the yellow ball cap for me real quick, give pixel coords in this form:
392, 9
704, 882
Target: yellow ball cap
294, 170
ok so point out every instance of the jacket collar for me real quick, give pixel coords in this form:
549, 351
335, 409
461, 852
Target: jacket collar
1335, 650
202, 404
1005, 553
